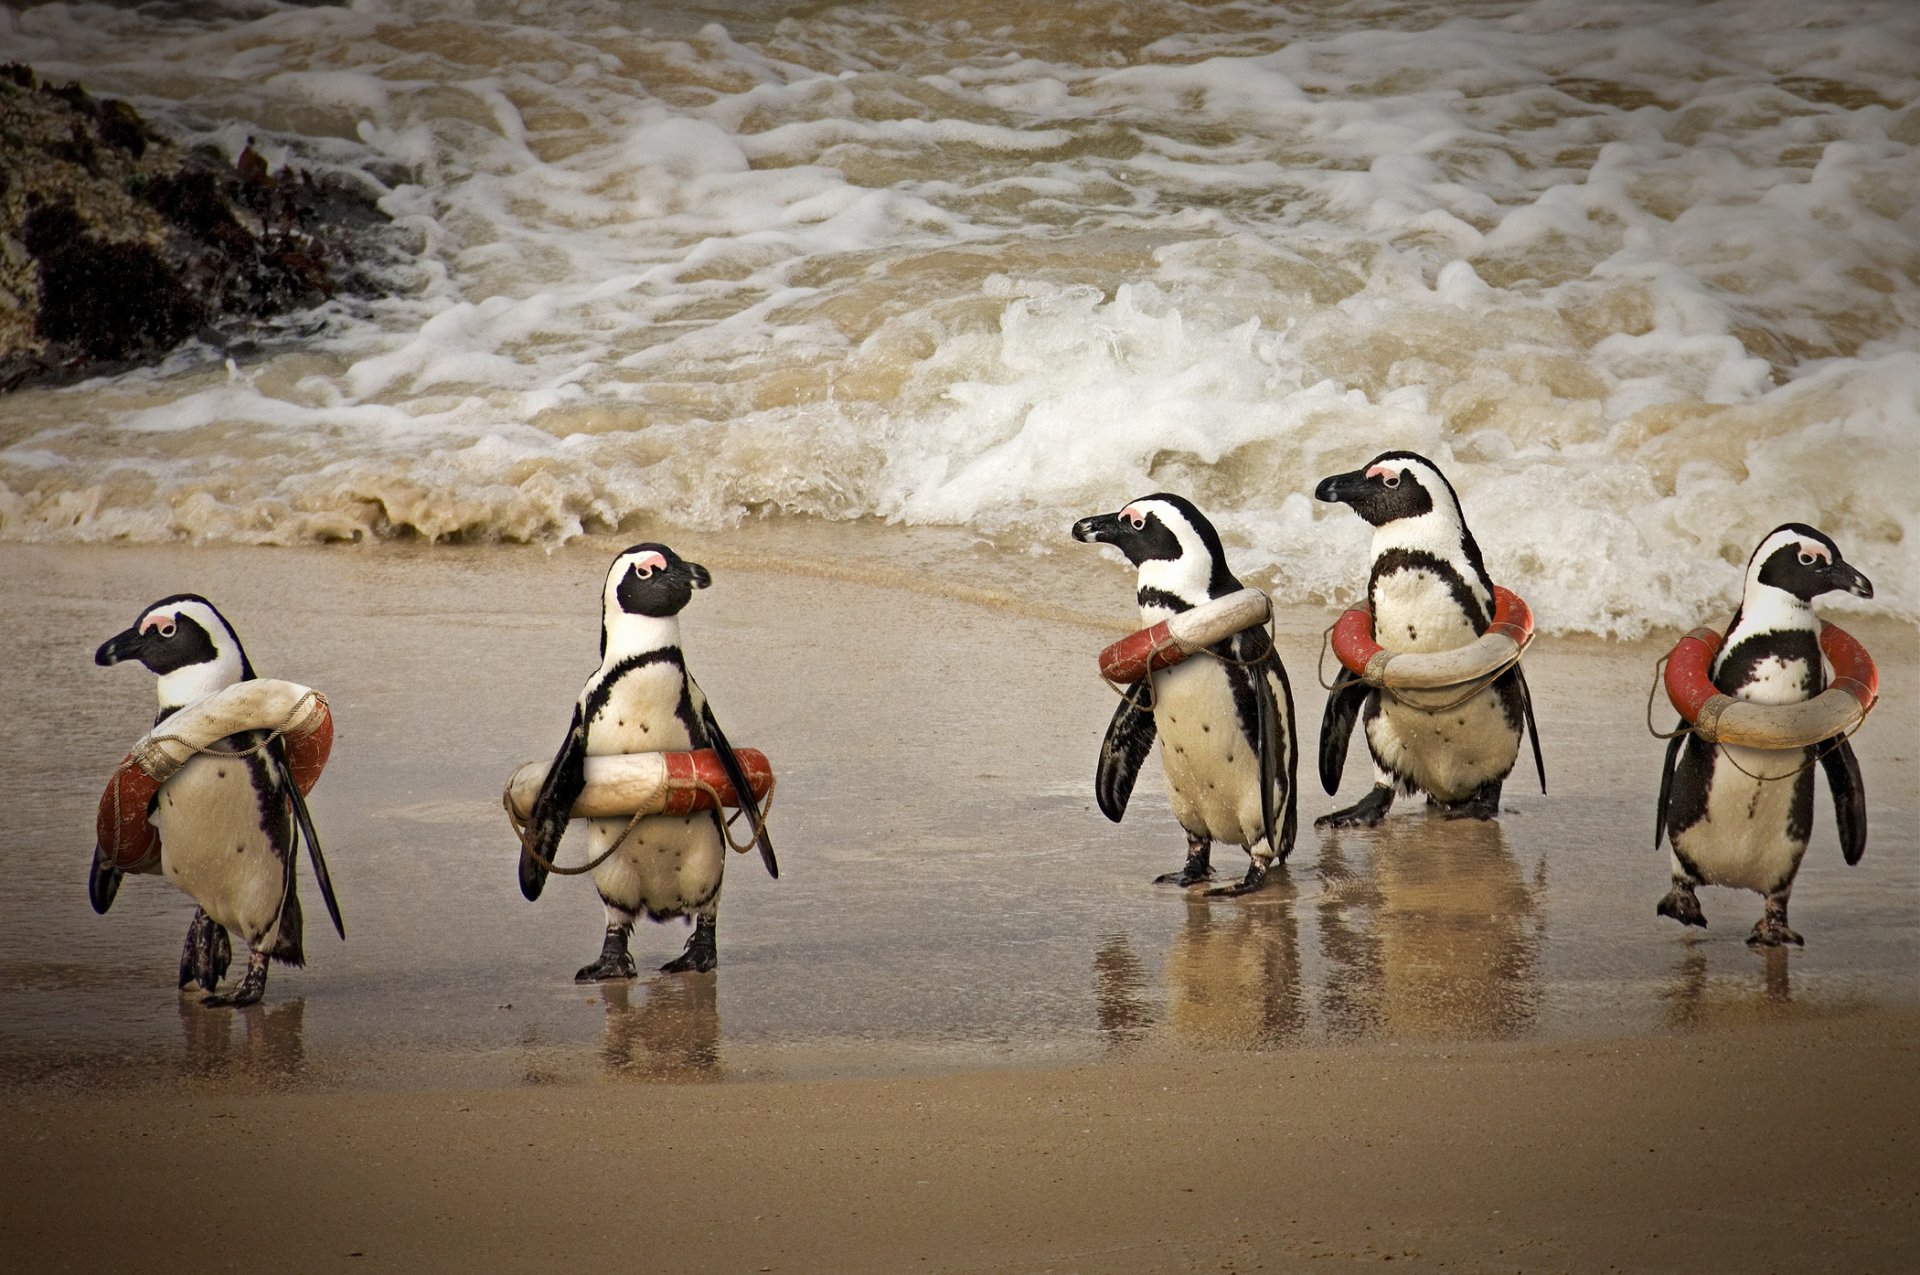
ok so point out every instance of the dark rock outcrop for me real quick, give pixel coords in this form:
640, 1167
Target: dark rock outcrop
116, 245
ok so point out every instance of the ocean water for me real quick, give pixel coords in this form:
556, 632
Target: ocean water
1643, 277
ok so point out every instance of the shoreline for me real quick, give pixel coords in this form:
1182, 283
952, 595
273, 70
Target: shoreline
1728, 1149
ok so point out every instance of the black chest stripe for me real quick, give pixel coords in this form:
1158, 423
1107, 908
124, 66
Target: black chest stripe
1148, 597
602, 690
1396, 560
1738, 666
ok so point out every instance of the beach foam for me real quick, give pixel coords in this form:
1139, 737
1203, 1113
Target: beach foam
1644, 280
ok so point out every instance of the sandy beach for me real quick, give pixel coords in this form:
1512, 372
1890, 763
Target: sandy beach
962, 1031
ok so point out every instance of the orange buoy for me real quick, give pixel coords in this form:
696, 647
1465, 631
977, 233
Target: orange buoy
1171, 641
625, 784
1722, 719
299, 713
1490, 653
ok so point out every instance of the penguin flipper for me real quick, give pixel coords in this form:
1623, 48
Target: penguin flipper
103, 882
304, 821
547, 822
1128, 740
1533, 731
1666, 785
737, 777
1849, 797
1279, 761
1344, 702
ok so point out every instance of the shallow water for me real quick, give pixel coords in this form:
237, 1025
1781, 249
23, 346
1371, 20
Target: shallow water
950, 898
1644, 277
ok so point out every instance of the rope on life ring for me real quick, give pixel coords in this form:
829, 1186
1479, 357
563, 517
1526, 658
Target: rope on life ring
1839, 710
644, 784
284, 710
1436, 681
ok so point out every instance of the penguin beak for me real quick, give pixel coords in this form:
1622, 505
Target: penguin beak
1845, 577
1341, 488
126, 645
696, 573
1100, 529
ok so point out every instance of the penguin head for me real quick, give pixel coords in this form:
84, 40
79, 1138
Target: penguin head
187, 643
1801, 561
1391, 487
652, 580
1170, 541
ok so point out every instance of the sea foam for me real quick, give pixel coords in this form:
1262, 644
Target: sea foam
1644, 279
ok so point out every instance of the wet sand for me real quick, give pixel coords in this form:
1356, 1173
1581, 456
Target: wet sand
962, 1031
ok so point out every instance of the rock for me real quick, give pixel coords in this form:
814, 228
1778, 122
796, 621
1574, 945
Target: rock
117, 245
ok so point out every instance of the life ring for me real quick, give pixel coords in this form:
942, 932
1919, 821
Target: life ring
298, 714
1427, 671
1722, 719
625, 784
1171, 641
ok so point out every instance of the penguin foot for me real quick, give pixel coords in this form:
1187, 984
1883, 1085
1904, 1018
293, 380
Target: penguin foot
206, 954
1198, 868
1483, 804
1364, 813
702, 954
615, 961
1683, 905
1255, 878
253, 986
1772, 931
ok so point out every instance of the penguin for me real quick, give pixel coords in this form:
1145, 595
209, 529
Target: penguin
1741, 817
642, 699
1225, 724
225, 822
1429, 591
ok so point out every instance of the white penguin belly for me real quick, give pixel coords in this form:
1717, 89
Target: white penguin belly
213, 848
672, 864
1448, 754
1742, 842
1213, 773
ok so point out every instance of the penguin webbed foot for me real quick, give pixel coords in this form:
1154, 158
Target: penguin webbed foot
1364, 813
207, 953
702, 954
1255, 878
252, 985
615, 961
1772, 930
1683, 905
1197, 868
1483, 803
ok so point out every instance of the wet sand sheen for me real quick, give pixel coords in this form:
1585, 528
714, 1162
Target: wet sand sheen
950, 902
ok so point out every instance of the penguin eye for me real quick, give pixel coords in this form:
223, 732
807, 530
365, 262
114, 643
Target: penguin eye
644, 571
166, 628
1807, 559
1390, 480
1136, 522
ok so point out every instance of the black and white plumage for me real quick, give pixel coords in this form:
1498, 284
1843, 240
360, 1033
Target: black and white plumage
1742, 817
642, 699
1429, 591
226, 823
1225, 725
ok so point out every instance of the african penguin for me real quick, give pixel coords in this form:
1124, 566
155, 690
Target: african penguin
225, 822
642, 699
1429, 591
1741, 817
1225, 724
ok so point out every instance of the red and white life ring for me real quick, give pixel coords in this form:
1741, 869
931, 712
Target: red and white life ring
1487, 655
299, 713
1722, 719
1171, 641
625, 784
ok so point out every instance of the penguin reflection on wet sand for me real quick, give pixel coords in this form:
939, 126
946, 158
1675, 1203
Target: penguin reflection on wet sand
1429, 591
225, 822
1741, 817
642, 699
1225, 725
